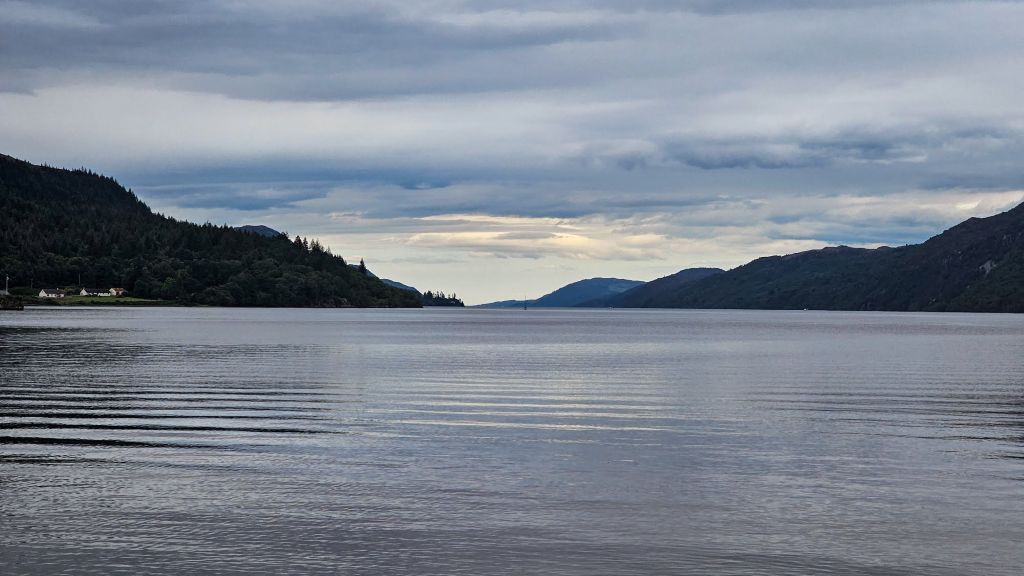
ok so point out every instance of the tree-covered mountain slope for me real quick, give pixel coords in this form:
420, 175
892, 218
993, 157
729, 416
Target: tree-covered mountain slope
575, 294
62, 228
584, 290
977, 265
651, 292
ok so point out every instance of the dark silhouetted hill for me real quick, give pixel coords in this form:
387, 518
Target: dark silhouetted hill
573, 294
975, 266
650, 293
259, 229
73, 227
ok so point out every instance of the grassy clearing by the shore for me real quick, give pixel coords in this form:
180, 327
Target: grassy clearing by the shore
97, 301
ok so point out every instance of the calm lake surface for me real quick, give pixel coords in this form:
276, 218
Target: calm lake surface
193, 441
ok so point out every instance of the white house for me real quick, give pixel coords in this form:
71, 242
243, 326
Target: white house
51, 293
118, 291
94, 292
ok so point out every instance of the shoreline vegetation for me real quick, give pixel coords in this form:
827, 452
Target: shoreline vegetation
11, 303
94, 301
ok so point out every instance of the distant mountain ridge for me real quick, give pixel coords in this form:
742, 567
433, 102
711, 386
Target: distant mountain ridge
975, 266
653, 291
573, 294
259, 230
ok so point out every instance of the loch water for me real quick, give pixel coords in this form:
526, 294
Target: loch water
478, 442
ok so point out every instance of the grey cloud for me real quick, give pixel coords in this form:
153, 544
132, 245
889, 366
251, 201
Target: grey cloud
681, 176
342, 50
969, 180
794, 151
424, 184
426, 260
526, 236
242, 197
746, 6
711, 6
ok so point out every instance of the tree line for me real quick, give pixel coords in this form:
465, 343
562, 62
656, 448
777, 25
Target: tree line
431, 298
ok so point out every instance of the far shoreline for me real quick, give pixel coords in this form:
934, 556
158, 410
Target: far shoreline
142, 303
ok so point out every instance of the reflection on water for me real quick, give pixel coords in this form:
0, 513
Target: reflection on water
170, 441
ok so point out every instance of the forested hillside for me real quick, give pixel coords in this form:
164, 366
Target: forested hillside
589, 292
651, 292
577, 293
73, 227
975, 266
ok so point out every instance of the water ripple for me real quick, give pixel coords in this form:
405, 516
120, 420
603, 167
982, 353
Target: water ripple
172, 441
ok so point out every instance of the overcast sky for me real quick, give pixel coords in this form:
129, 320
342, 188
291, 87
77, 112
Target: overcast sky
501, 149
